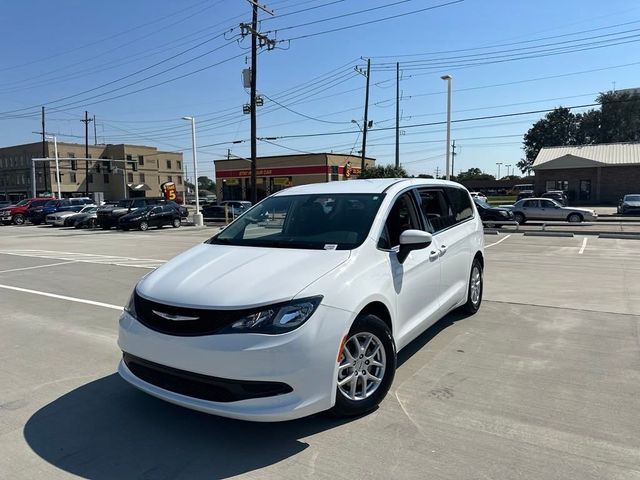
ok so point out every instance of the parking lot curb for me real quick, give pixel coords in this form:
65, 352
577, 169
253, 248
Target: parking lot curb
491, 232
548, 234
624, 236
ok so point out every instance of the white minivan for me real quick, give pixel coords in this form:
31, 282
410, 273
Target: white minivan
301, 304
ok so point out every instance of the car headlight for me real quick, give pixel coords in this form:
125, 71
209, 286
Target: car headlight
503, 213
277, 318
130, 307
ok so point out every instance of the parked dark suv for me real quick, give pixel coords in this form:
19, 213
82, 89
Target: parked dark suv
108, 216
152, 216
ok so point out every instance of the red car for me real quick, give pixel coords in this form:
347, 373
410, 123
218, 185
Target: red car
17, 213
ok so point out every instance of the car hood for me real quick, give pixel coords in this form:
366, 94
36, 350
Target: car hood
224, 276
632, 203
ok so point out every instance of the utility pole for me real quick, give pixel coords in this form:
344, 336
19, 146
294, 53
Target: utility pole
254, 125
453, 158
498, 164
437, 172
86, 151
44, 153
397, 114
270, 44
366, 118
95, 131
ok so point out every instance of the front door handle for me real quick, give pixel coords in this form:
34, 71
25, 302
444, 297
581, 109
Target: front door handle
434, 255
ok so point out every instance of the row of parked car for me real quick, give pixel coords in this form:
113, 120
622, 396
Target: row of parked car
126, 214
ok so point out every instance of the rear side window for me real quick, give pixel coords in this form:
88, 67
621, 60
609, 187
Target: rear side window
436, 209
460, 204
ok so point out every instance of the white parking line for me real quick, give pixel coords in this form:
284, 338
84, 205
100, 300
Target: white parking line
584, 245
496, 243
62, 297
88, 258
37, 266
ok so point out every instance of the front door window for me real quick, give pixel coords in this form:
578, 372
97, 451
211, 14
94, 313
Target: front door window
402, 216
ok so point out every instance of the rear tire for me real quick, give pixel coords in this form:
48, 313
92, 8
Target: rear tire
367, 367
519, 217
475, 288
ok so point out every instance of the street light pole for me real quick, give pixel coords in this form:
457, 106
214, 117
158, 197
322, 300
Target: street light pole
448, 79
55, 150
498, 164
507, 167
197, 217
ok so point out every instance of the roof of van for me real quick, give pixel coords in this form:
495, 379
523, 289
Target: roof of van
377, 185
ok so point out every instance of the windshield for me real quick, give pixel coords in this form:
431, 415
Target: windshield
50, 203
482, 203
124, 203
88, 209
632, 198
330, 222
21, 203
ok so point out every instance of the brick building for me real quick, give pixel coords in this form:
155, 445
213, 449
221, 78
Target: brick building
233, 176
589, 174
114, 170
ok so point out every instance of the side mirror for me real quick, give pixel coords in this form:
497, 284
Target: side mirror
556, 206
413, 240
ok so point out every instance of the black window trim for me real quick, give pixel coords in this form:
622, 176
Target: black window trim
443, 188
421, 220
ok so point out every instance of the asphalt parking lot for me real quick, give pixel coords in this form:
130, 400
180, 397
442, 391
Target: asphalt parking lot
543, 383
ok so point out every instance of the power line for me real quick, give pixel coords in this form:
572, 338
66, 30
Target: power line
347, 27
115, 35
415, 125
508, 44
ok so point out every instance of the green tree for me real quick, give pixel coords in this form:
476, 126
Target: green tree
205, 183
620, 117
384, 171
617, 120
557, 128
474, 174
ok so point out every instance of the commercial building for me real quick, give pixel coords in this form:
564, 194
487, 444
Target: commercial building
589, 174
233, 176
115, 171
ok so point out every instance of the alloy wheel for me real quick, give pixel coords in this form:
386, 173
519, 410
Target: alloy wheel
362, 366
476, 285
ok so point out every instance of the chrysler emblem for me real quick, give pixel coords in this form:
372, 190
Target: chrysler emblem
175, 318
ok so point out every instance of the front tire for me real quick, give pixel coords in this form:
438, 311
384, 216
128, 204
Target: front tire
144, 226
18, 219
474, 291
574, 218
519, 217
367, 367
176, 222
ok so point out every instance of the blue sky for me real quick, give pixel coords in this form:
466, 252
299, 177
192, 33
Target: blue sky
74, 56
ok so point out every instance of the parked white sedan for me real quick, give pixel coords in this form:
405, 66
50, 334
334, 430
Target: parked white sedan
547, 209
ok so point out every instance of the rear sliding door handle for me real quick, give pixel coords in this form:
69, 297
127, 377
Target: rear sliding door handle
443, 249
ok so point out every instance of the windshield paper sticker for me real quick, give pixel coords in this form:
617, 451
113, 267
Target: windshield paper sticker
330, 246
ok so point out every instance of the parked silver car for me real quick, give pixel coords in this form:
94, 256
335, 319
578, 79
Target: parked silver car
547, 209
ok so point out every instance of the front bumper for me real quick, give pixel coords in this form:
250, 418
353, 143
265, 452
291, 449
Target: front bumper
304, 359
